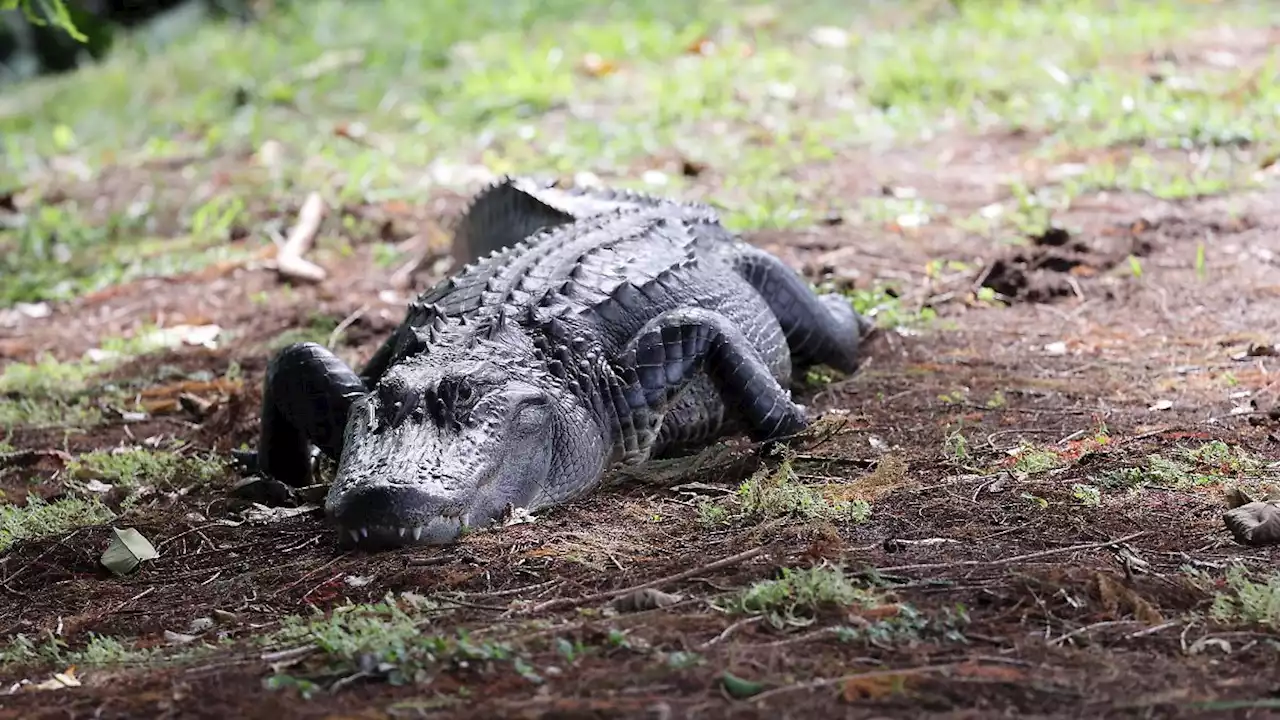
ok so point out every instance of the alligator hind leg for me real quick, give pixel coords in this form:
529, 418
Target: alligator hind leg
820, 329
675, 348
695, 419
306, 397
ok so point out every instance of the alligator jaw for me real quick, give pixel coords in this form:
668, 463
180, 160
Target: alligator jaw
440, 531
374, 515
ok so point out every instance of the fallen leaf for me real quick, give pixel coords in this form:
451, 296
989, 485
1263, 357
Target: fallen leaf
59, 681
873, 687
397, 207
261, 514
1203, 643
1000, 673
225, 616
702, 46
737, 687
128, 549
692, 168
1237, 496
832, 37
177, 638
596, 66
880, 612
1118, 598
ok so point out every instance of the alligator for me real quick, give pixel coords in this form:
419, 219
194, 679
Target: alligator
596, 329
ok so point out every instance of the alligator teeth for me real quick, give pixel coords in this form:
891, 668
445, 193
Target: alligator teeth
417, 533
364, 532
355, 535
403, 531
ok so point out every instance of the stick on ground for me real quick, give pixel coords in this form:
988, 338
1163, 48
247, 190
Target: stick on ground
562, 603
290, 261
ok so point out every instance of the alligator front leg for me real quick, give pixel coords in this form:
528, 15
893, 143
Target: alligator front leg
820, 329
674, 348
306, 397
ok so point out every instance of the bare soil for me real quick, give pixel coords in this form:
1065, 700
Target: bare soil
1054, 630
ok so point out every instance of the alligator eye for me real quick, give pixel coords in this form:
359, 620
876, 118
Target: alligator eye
464, 392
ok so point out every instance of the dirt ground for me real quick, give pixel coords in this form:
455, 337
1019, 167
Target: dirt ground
1074, 610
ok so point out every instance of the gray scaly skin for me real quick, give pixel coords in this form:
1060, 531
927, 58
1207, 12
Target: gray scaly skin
601, 329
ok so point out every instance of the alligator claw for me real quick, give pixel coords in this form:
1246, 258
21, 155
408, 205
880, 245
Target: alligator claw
246, 461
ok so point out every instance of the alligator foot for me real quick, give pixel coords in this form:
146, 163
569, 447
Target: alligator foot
820, 329
674, 348
306, 397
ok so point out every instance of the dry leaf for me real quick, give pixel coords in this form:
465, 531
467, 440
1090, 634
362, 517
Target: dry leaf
702, 46
596, 66
981, 671
1117, 598
880, 612
873, 687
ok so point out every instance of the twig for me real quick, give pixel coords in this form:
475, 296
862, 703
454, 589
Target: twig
60, 543
314, 572
403, 275
563, 603
804, 637
347, 322
1089, 628
729, 631
22, 458
516, 590
139, 596
1015, 558
827, 682
474, 606
1152, 630
290, 262
288, 653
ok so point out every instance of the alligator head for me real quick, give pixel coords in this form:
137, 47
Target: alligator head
451, 440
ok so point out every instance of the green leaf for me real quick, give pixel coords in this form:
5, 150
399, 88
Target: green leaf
739, 688
54, 8
128, 549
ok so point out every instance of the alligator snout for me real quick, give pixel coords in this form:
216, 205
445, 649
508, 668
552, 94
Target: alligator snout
390, 516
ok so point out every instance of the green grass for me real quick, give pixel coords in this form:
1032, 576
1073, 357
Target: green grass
1247, 601
39, 519
797, 597
388, 640
135, 468
99, 650
1186, 468
780, 493
50, 392
138, 471
366, 114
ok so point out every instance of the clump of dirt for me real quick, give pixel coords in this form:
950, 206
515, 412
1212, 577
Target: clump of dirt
1052, 266
1056, 263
